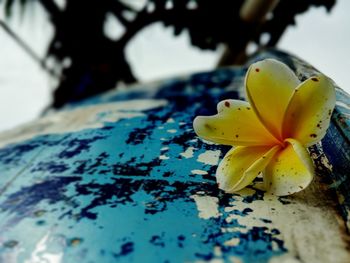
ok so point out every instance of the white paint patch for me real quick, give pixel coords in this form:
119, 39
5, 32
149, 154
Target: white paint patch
324, 160
89, 117
208, 142
200, 172
41, 252
308, 225
207, 206
217, 251
164, 148
209, 157
232, 242
172, 131
284, 259
164, 157
342, 104
170, 120
326, 163
188, 153
234, 259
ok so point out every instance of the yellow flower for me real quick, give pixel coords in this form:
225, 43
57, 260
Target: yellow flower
271, 132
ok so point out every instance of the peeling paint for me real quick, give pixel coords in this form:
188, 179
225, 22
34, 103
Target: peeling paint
199, 172
188, 153
300, 224
110, 183
42, 253
207, 206
170, 120
343, 105
209, 157
90, 117
164, 157
232, 242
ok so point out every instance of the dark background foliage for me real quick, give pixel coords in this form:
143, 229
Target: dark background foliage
98, 63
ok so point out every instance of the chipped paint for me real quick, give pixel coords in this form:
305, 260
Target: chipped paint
343, 105
300, 223
170, 120
207, 206
199, 172
90, 117
164, 157
42, 253
188, 153
232, 242
107, 186
324, 160
209, 157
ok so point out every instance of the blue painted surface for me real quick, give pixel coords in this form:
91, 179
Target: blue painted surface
105, 195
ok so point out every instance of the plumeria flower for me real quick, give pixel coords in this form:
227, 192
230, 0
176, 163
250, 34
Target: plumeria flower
271, 132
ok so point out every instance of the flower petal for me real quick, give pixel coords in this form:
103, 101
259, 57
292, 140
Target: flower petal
290, 171
308, 115
241, 165
269, 87
235, 124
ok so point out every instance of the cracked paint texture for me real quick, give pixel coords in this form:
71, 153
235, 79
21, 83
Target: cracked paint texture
111, 179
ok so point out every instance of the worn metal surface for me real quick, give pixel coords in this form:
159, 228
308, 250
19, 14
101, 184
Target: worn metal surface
122, 177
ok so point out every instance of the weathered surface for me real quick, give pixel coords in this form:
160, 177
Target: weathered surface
109, 180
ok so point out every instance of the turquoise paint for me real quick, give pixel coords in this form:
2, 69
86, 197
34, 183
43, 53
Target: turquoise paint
104, 195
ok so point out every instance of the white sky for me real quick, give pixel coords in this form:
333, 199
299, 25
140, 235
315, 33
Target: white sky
319, 38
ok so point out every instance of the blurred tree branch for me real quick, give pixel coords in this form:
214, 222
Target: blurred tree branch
97, 63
